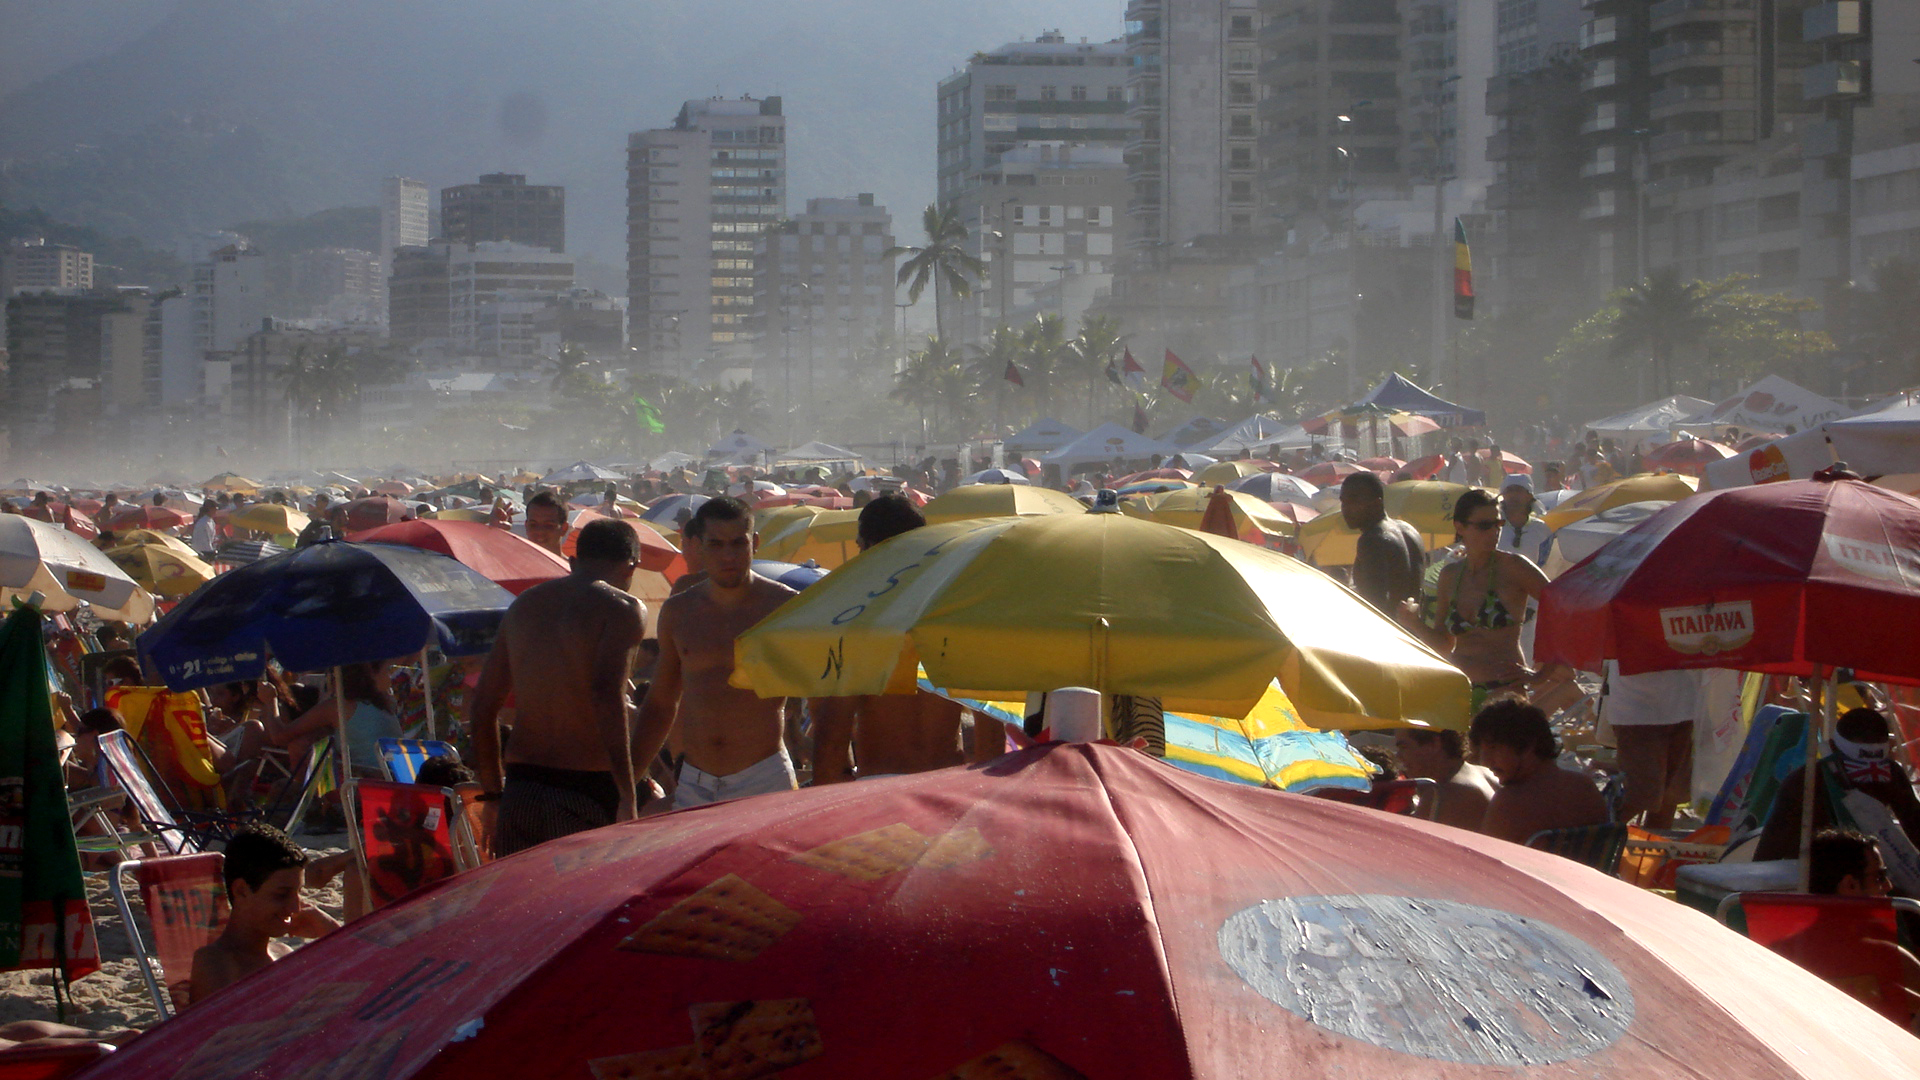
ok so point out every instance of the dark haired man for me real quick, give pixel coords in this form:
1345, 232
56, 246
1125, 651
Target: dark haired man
547, 522
1515, 742
565, 651
1389, 556
891, 734
263, 869
730, 739
1441, 756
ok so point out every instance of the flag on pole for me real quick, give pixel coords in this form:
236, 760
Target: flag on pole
1012, 375
1178, 378
1113, 373
1131, 371
1462, 273
1139, 418
647, 415
1260, 392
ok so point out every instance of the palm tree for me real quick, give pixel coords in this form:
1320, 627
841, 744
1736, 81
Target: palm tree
943, 260
1047, 354
931, 376
1662, 315
988, 368
1095, 348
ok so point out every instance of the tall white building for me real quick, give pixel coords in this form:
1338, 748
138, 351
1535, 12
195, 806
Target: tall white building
699, 195
495, 289
824, 290
404, 204
229, 303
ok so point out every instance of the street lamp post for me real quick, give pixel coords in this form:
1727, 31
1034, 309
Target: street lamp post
1346, 128
1437, 349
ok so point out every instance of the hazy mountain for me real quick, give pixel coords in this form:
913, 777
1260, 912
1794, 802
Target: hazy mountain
223, 111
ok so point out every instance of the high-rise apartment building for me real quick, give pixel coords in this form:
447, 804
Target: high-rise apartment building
55, 368
1193, 92
36, 265
229, 303
1009, 110
699, 195
823, 289
1057, 226
418, 308
495, 289
503, 207
404, 217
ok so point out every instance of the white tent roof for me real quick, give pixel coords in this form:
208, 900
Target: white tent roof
1656, 416
580, 472
1884, 441
816, 451
1106, 442
1771, 405
1241, 436
738, 443
1295, 437
1047, 434
1196, 430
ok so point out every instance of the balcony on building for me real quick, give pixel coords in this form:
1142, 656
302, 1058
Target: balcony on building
1599, 33
1685, 53
1676, 100
1833, 79
1670, 13
1600, 74
1836, 20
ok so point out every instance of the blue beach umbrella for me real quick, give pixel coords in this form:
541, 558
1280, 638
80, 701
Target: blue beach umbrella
323, 606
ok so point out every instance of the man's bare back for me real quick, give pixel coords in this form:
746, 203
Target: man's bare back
886, 735
1548, 798
721, 729
557, 635
1464, 797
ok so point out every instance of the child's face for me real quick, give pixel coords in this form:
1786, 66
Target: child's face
271, 907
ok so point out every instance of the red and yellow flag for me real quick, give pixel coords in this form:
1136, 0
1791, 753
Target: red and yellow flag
1178, 378
1462, 273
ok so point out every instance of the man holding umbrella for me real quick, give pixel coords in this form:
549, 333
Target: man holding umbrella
565, 651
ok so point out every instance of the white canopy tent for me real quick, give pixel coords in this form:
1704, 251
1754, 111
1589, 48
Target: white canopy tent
1768, 407
580, 472
1650, 424
1045, 435
1240, 437
1883, 441
1105, 443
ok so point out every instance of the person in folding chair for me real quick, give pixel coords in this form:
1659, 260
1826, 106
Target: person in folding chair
264, 871
1515, 741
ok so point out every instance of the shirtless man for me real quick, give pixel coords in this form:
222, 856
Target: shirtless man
1441, 756
1389, 556
565, 651
730, 739
1513, 740
890, 734
547, 522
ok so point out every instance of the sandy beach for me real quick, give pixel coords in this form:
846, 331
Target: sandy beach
115, 997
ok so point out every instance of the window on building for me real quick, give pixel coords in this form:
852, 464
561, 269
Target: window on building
1078, 93
1240, 26
1240, 126
1239, 93
1000, 93
1049, 93
1116, 93
1240, 191
1242, 58
1240, 157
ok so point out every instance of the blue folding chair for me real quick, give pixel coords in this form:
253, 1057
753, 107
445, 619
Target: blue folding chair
405, 756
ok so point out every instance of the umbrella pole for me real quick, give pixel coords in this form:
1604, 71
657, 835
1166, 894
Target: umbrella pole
426, 685
1817, 726
357, 877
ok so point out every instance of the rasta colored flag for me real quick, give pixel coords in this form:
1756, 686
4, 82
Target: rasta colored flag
1012, 375
1260, 384
1178, 378
44, 920
1462, 273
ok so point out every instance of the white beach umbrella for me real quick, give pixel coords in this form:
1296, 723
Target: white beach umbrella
38, 557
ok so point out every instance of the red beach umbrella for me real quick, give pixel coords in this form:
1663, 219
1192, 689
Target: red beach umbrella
1789, 578
1690, 456
655, 552
512, 562
1330, 472
370, 513
1383, 464
1425, 468
143, 516
1068, 897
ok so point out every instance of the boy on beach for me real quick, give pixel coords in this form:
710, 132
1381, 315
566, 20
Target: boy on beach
264, 871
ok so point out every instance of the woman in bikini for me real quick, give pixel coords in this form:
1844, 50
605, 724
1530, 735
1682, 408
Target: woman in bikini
1482, 602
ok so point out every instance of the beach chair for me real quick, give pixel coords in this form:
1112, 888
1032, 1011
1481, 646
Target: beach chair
121, 757
29, 1061
96, 806
410, 836
317, 780
1410, 798
1651, 861
1846, 940
405, 756
186, 904
1598, 846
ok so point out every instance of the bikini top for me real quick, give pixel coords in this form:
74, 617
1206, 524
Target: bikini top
1493, 614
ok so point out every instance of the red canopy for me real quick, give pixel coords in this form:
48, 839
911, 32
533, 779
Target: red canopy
370, 513
1329, 472
513, 562
656, 553
1784, 577
142, 516
1690, 456
1068, 911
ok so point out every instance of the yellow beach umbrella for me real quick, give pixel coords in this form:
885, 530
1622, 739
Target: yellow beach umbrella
271, 518
1226, 472
1012, 605
227, 481
156, 539
161, 570
1644, 487
999, 500
769, 522
480, 514
827, 538
1187, 508
1427, 505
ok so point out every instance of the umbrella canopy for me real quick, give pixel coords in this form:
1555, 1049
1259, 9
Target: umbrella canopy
512, 562
825, 538
243, 552
1646, 487
271, 518
393, 487
1104, 601
463, 513
148, 536
667, 510
1089, 912
580, 472
1252, 520
999, 500
38, 557
1588, 535
1104, 444
1328, 473
657, 554
1427, 505
1771, 405
1277, 487
1690, 456
162, 571
794, 576
320, 606
755, 490
1785, 577
360, 515
995, 476
1227, 472
1169, 473
227, 481
1154, 487
1511, 464
1408, 425
147, 516
1382, 464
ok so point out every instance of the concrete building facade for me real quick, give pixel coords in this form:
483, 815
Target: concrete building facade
404, 215
699, 195
504, 208
36, 265
823, 291
493, 291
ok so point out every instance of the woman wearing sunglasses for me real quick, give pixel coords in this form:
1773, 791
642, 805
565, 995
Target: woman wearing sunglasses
1482, 601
